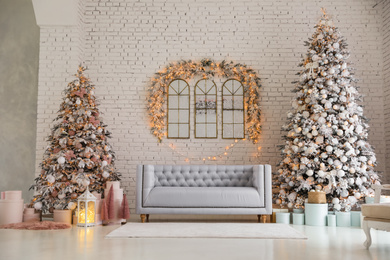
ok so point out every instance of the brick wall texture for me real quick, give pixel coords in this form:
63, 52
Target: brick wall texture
386, 80
123, 43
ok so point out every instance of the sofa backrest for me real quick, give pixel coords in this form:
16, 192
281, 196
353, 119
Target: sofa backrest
203, 175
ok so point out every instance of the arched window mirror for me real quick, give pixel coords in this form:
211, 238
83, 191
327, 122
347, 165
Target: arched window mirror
233, 126
205, 109
178, 109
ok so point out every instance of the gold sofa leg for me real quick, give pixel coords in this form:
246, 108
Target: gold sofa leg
262, 218
143, 216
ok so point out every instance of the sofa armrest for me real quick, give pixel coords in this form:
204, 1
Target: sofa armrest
378, 190
145, 183
262, 182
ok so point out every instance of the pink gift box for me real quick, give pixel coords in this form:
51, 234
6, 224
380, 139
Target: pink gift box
13, 195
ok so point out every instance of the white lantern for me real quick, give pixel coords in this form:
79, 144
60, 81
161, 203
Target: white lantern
86, 209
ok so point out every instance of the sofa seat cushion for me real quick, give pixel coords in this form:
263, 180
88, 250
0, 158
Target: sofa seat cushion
203, 197
378, 211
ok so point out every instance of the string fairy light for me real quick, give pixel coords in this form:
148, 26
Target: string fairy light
227, 150
206, 68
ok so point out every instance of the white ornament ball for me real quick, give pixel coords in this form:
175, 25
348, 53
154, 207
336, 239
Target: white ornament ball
336, 45
61, 196
364, 179
61, 160
344, 159
351, 181
358, 181
329, 149
339, 56
352, 170
340, 132
321, 173
104, 163
50, 179
72, 205
331, 71
335, 201
340, 173
329, 82
38, 205
278, 201
105, 174
93, 136
358, 195
344, 193
309, 173
314, 132
344, 66
78, 101
337, 207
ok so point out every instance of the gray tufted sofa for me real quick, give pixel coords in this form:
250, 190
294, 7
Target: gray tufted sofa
203, 189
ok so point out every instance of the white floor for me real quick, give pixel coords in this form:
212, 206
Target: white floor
78, 243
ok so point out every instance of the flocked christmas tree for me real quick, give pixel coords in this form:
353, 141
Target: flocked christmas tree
326, 145
78, 155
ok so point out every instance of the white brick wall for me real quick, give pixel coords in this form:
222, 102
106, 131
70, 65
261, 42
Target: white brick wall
385, 7
127, 42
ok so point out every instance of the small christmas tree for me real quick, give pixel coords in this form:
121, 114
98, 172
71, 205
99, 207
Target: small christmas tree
110, 204
326, 144
104, 213
78, 155
124, 211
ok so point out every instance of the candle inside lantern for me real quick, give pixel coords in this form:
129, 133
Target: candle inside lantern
86, 209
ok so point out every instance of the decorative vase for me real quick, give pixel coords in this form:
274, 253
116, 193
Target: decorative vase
283, 217
11, 211
355, 218
30, 215
13, 195
298, 219
331, 219
298, 210
63, 216
343, 219
315, 214
317, 197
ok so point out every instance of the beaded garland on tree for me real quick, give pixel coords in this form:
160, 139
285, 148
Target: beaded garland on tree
78, 155
326, 145
205, 69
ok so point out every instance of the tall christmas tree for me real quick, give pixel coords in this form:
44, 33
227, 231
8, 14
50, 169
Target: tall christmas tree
78, 155
326, 144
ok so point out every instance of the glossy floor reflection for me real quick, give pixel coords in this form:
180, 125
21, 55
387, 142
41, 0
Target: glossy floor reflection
79, 243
